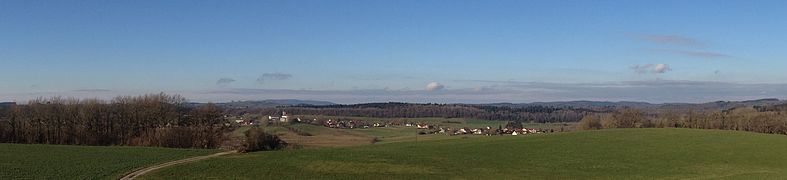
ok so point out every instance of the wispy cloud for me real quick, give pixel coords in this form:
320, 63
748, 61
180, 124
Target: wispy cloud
489, 91
655, 91
92, 90
224, 81
697, 54
678, 44
273, 76
671, 40
469, 95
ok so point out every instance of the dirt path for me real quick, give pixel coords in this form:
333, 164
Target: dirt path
142, 171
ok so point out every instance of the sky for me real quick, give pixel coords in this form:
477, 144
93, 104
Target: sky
448, 51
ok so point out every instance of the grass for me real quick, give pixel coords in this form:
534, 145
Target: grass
322, 136
446, 122
240, 131
26, 161
605, 154
328, 137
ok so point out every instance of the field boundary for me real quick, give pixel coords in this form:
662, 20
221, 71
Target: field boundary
143, 171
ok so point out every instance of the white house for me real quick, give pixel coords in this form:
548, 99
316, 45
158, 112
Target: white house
462, 130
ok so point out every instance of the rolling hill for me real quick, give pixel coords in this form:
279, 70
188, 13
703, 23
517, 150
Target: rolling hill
605, 154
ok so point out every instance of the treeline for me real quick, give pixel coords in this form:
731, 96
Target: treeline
771, 119
149, 120
406, 110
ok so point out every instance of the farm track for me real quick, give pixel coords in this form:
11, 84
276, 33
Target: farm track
143, 171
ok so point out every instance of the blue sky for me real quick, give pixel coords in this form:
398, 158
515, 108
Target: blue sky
369, 51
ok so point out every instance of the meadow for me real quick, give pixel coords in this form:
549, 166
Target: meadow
320, 136
450, 122
34, 161
603, 154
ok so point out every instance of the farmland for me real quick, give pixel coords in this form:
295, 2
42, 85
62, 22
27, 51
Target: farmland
319, 136
604, 154
24, 161
447, 122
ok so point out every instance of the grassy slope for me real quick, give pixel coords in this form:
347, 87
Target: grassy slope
25, 161
607, 154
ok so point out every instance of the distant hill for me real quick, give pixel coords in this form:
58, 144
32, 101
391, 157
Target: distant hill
718, 105
274, 103
579, 104
591, 105
724, 105
6, 104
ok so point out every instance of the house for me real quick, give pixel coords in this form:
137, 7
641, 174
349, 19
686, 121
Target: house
330, 123
462, 131
284, 117
529, 131
514, 133
273, 119
422, 126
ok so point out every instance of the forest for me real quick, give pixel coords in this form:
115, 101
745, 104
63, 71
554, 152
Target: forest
770, 119
149, 120
538, 114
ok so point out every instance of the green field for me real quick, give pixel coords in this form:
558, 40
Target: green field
25, 161
449, 122
330, 137
605, 154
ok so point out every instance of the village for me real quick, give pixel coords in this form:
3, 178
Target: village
510, 128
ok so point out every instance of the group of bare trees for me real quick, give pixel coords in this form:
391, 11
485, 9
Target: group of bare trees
148, 120
761, 120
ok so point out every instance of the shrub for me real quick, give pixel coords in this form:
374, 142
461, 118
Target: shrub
590, 122
258, 140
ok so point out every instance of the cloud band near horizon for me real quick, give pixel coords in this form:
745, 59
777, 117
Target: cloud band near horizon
658, 91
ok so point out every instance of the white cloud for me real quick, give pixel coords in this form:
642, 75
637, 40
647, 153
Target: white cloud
651, 68
434, 86
661, 68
